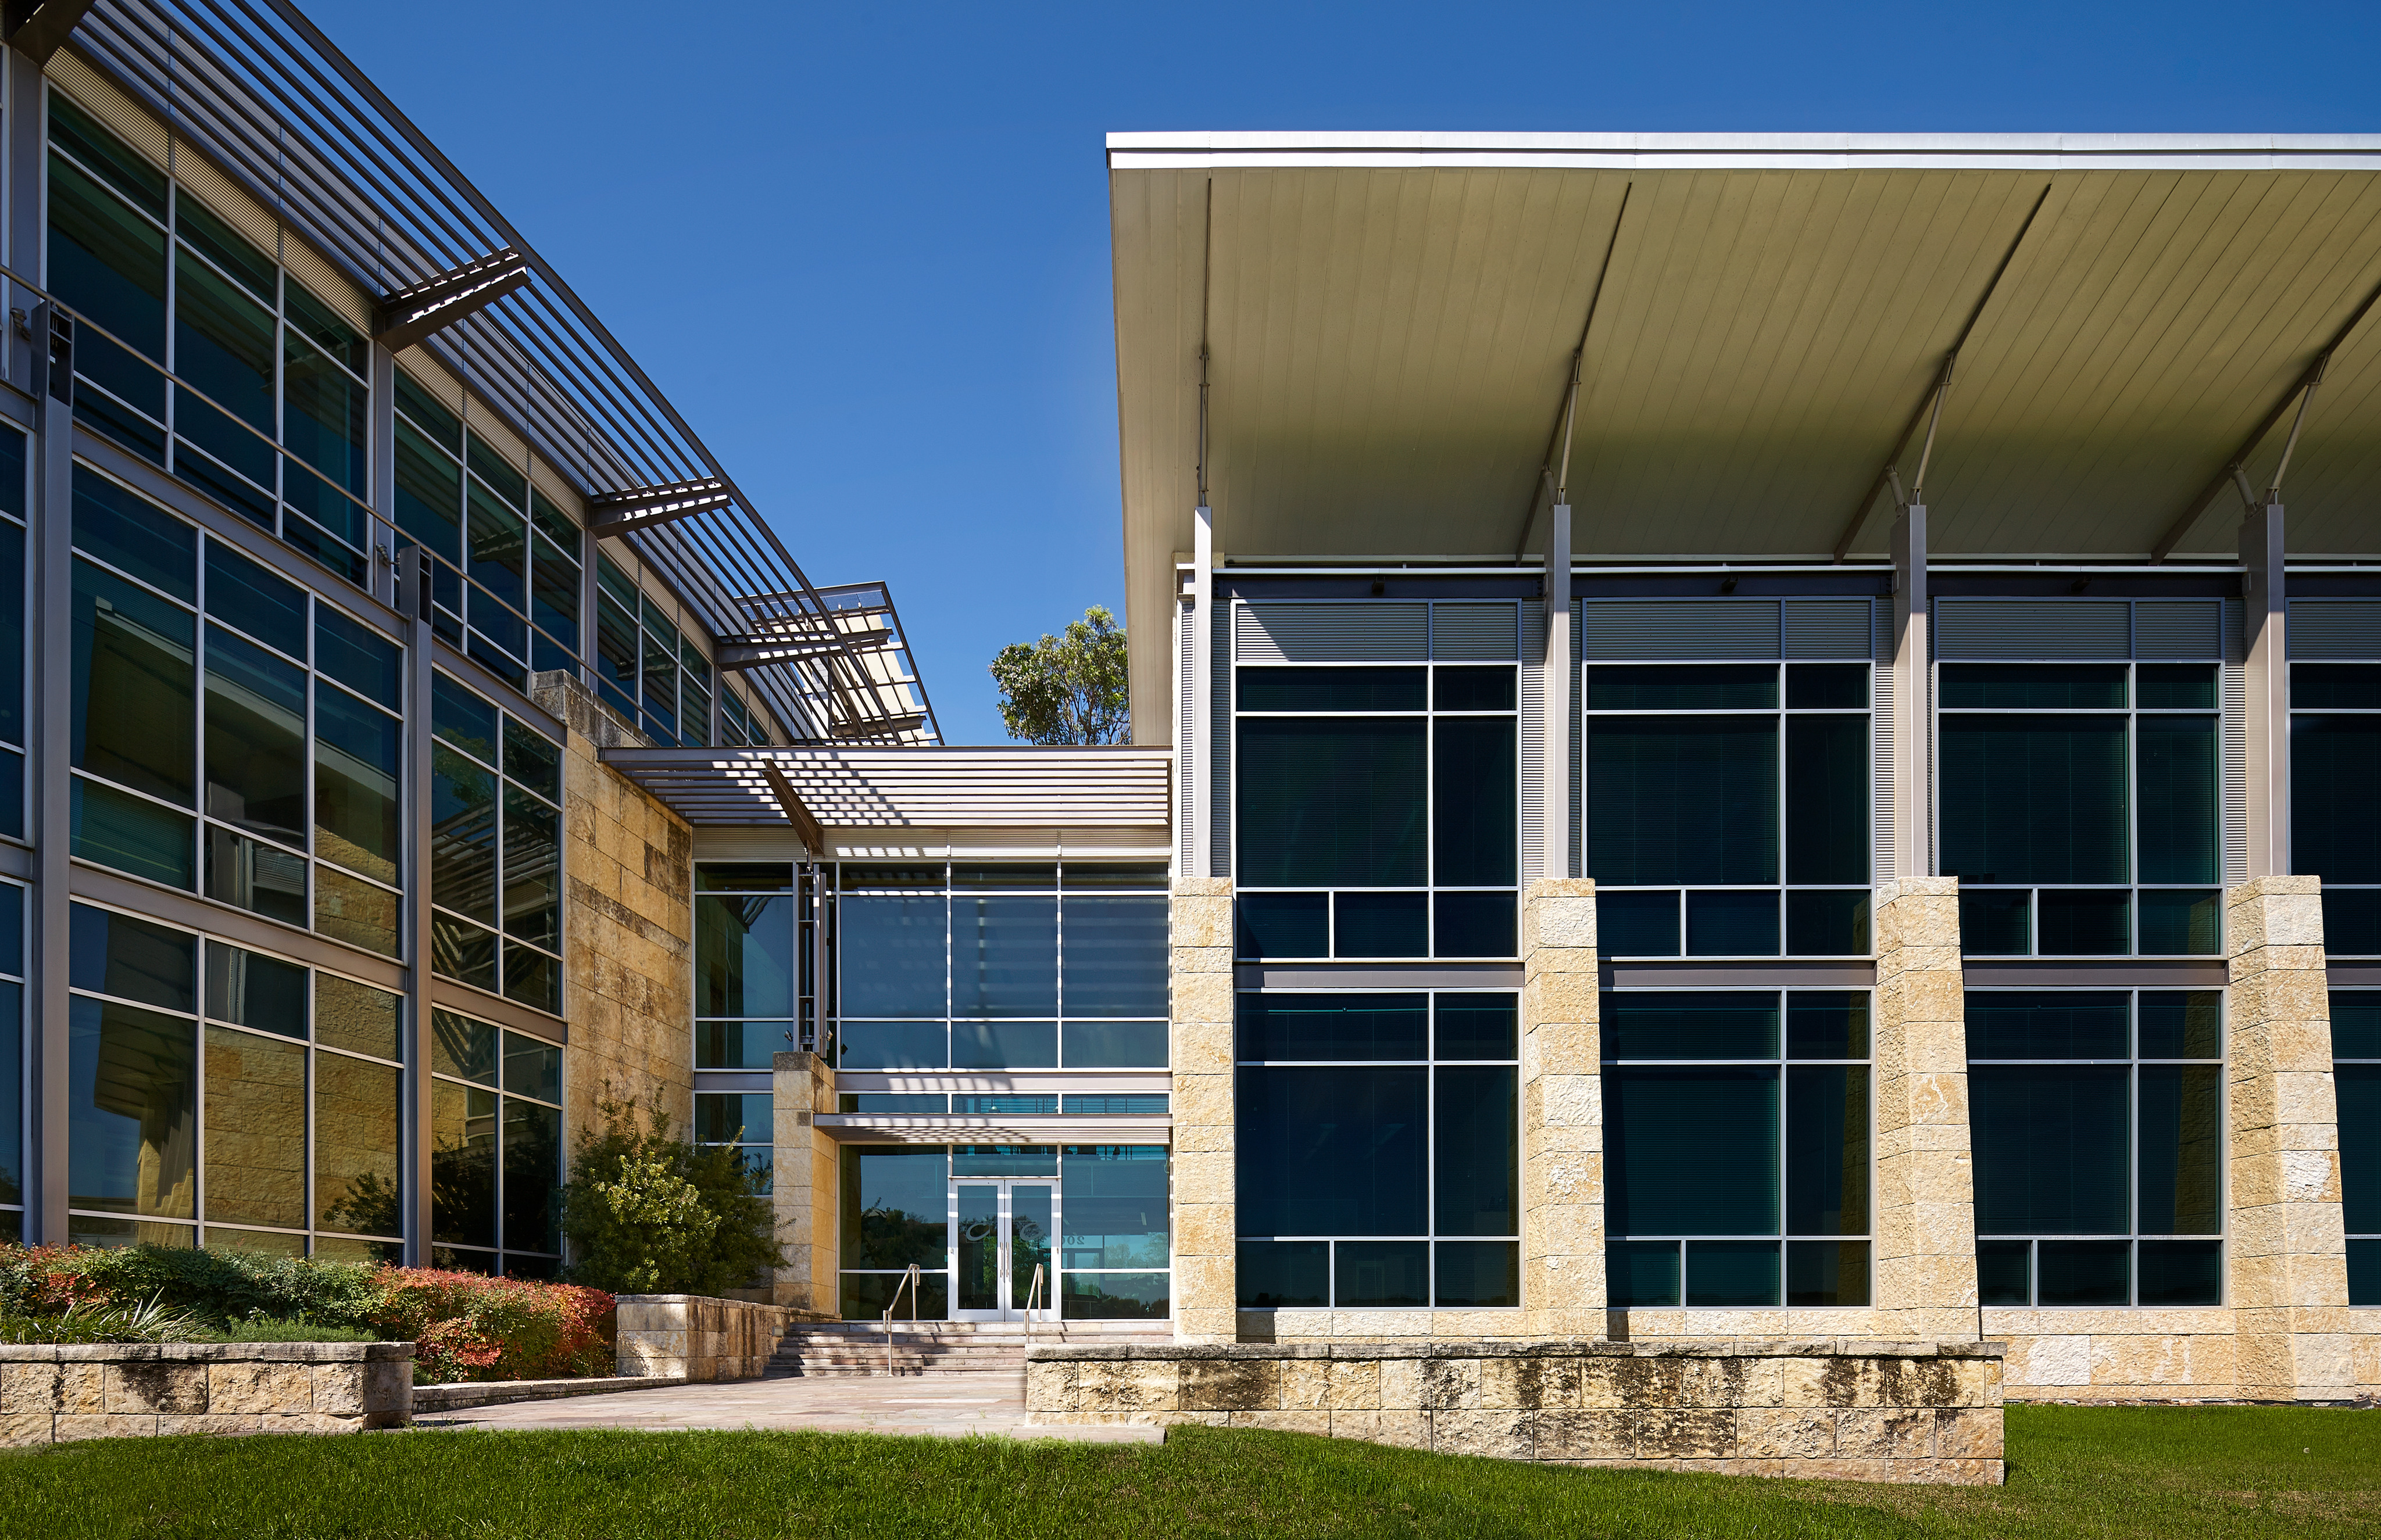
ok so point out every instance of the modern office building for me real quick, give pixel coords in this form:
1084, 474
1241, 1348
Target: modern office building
1735, 737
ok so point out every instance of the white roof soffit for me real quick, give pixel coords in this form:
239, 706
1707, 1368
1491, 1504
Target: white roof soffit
1023, 787
1391, 318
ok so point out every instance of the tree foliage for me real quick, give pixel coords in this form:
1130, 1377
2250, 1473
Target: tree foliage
648, 1213
1070, 689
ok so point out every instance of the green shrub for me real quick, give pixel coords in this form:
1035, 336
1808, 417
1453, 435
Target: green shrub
263, 1328
88, 1321
648, 1213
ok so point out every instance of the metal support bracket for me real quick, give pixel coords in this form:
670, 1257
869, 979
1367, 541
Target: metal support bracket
806, 827
411, 313
38, 29
751, 652
617, 512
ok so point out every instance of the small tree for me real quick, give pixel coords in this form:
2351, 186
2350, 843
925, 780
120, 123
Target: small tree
648, 1213
1070, 689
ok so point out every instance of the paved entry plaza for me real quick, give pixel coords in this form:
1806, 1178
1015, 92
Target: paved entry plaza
992, 1404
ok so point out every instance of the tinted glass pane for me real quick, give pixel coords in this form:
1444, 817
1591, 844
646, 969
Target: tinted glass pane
1738, 1274
532, 869
12, 613
1004, 1161
1113, 959
1094, 877
2335, 686
462, 720
2005, 1272
2185, 687
1331, 1026
1380, 925
2057, 1025
499, 549
358, 761
1477, 1274
891, 951
743, 1045
2176, 771
1380, 1274
118, 829
1338, 1151
355, 912
241, 593
463, 1048
462, 1164
356, 1017
2033, 798
1331, 689
1279, 1275
1473, 689
2359, 1092
226, 248
2178, 920
2033, 686
132, 686
1004, 1045
1476, 1152
1826, 1273
894, 1045
1690, 1151
534, 759
1113, 1045
123, 167
131, 1114
2083, 924
1472, 925
1005, 957
553, 595
2335, 818
744, 956
1331, 802
743, 876
2351, 921
1115, 1203
256, 1129
1641, 1272
322, 326
256, 991
1668, 1025
1678, 687
109, 264
256, 739
429, 494
1682, 799
1637, 925
358, 657
732, 1118
462, 835
857, 876
2081, 1272
2178, 1272
1003, 877
1476, 831
1827, 1149
115, 954
1733, 925
1826, 799
356, 1181
223, 344
254, 874
2364, 1272
2180, 1169
1283, 924
1826, 1023
1823, 686
1477, 1026
1996, 924
2050, 1145
2185, 1023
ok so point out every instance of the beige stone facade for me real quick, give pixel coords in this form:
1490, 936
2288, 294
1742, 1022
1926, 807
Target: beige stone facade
1562, 1112
628, 924
55, 1395
805, 1185
1919, 1412
1205, 1298
693, 1338
1925, 1212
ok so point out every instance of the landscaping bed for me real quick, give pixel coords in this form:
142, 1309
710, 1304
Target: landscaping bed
2108, 1472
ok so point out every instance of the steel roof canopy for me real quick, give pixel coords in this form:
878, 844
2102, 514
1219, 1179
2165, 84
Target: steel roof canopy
1391, 318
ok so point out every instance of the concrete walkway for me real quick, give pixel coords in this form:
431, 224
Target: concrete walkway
991, 1404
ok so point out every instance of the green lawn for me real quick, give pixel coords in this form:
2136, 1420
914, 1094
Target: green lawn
2167, 1473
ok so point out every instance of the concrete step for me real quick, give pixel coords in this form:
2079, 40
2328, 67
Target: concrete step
856, 1349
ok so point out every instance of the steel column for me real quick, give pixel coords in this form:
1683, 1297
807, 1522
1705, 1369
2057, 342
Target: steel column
1913, 702
1197, 745
413, 599
53, 739
2263, 634
1553, 801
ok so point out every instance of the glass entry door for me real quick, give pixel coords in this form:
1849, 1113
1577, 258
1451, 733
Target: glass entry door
1000, 1233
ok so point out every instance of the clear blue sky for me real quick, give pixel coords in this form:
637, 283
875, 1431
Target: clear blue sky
865, 246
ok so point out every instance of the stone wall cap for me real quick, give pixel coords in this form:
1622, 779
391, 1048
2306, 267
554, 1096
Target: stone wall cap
1425, 1348
203, 1352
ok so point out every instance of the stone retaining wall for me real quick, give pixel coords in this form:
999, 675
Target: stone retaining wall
695, 1337
52, 1395
1904, 1412
455, 1395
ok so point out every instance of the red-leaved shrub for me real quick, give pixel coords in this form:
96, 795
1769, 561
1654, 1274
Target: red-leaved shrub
465, 1326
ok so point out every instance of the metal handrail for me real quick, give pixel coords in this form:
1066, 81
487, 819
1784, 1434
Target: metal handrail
909, 1282
1032, 1297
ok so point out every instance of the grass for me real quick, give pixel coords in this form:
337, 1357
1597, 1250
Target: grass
2168, 1473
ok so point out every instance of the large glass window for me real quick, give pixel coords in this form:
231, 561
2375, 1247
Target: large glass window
227, 726
2097, 1125
1379, 1150
650, 672
2080, 807
507, 578
272, 417
2356, 1074
2335, 818
14, 654
495, 1158
1737, 1149
225, 1097
1377, 810
1008, 966
12, 1062
495, 849
896, 1216
1727, 807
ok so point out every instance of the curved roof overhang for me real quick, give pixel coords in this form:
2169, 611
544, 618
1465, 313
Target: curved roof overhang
1390, 321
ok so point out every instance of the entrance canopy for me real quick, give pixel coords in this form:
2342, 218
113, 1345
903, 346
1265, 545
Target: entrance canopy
1760, 323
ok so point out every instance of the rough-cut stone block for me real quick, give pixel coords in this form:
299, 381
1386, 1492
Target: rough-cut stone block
257, 1387
1317, 1421
129, 1424
1498, 1434
1803, 1434
155, 1386
218, 1423
1405, 1430
1230, 1386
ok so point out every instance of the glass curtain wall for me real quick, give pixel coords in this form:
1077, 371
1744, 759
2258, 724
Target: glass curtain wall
505, 585
1379, 1150
228, 725
495, 849
1737, 1150
2080, 807
495, 1157
223, 1097
1008, 966
1114, 1260
2335, 818
755, 924
12, 944
740, 1121
272, 417
14, 657
2356, 1073
647, 670
2098, 1123
1727, 808
1377, 810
